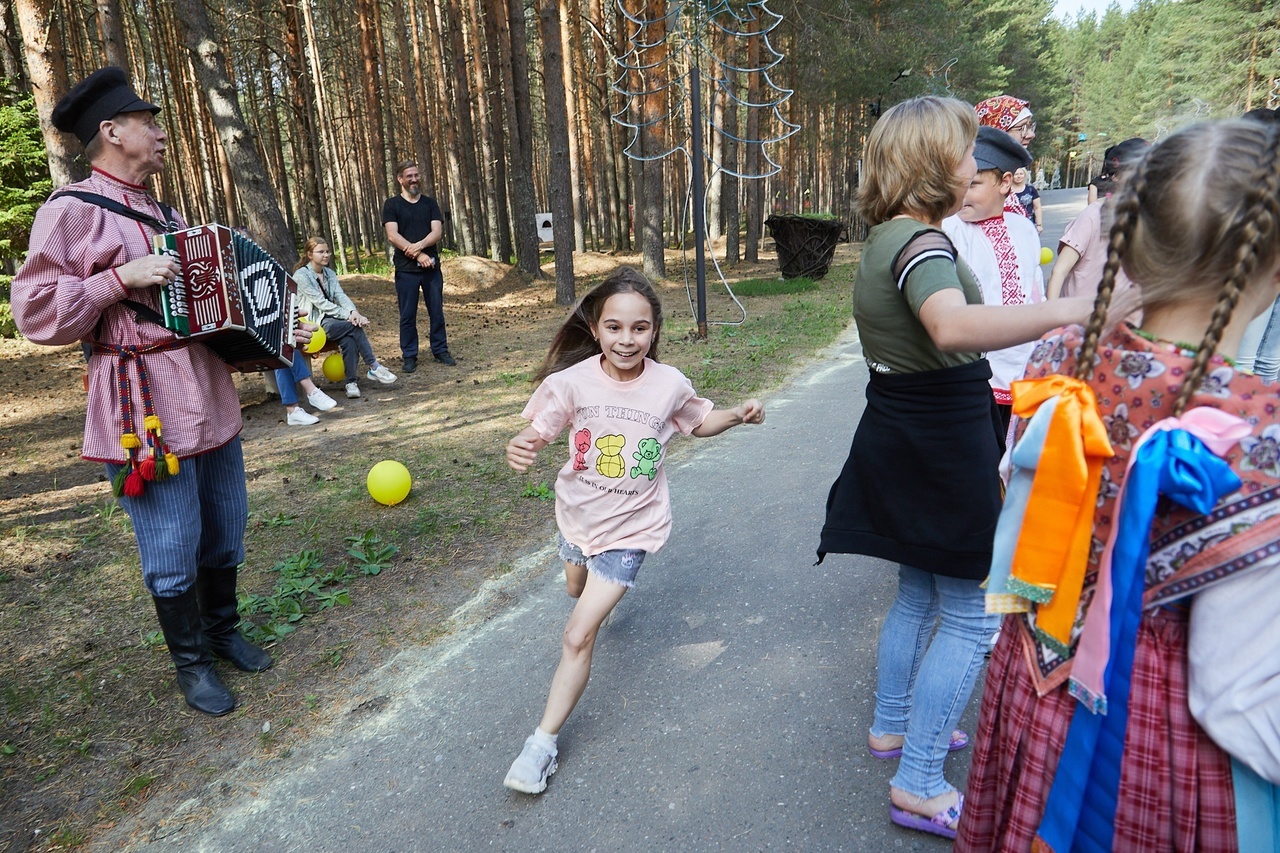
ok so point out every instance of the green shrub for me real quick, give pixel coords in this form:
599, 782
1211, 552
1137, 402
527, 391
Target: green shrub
8, 329
24, 170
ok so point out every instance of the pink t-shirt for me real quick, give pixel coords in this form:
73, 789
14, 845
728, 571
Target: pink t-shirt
1086, 236
612, 492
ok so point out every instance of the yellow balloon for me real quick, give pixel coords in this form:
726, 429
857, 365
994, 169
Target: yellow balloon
1046, 255
317, 341
334, 369
389, 482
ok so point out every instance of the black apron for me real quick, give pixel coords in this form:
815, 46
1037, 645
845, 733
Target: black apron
921, 485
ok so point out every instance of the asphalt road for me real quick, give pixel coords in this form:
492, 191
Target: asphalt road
728, 705
1059, 208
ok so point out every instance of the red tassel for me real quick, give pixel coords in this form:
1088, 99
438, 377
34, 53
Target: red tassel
134, 485
148, 468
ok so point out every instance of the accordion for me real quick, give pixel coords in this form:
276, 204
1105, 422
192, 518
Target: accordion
230, 295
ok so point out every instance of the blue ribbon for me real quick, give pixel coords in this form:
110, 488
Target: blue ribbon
1080, 813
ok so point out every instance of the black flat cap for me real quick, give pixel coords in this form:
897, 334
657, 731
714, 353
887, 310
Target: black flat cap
102, 95
995, 149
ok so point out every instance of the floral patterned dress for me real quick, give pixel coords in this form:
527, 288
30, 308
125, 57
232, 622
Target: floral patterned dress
1175, 784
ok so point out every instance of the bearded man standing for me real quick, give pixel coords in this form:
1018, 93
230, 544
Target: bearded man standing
415, 228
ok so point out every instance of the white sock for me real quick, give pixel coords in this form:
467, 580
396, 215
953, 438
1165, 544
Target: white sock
544, 739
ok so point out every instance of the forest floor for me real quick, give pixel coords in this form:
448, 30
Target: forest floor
92, 726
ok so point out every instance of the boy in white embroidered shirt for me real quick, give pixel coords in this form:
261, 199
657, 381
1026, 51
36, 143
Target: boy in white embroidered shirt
1001, 248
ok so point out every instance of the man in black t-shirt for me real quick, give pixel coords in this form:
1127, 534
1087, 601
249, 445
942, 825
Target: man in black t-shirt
415, 227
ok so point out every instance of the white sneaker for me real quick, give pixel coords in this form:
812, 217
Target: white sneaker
322, 401
529, 772
381, 374
353, 390
301, 417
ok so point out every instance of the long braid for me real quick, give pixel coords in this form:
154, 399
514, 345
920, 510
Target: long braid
1128, 207
1259, 215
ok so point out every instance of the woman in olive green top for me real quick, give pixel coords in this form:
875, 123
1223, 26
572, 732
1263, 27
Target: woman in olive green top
920, 486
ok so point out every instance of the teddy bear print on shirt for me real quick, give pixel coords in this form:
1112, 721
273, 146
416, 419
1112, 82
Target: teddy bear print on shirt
610, 462
646, 459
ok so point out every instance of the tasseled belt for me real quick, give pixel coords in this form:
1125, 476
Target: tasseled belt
158, 462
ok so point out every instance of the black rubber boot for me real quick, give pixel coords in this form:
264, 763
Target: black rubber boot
220, 611
180, 621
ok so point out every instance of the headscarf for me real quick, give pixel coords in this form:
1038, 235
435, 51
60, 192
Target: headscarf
1002, 111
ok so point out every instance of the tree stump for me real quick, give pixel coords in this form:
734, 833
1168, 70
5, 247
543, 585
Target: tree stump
806, 244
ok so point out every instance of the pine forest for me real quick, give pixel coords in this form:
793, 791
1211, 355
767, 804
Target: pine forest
288, 117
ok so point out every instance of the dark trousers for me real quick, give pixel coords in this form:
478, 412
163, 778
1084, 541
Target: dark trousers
431, 283
353, 342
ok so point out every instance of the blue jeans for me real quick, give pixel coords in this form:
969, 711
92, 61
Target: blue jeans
922, 687
1260, 346
287, 378
353, 342
193, 520
431, 283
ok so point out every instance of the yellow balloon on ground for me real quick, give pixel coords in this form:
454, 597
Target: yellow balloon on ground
1046, 255
334, 369
389, 482
318, 338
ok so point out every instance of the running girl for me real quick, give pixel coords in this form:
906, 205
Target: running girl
602, 376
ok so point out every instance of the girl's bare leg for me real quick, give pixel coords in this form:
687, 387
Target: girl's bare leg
598, 598
575, 578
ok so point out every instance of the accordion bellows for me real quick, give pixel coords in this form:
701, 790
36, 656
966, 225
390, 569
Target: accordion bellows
231, 296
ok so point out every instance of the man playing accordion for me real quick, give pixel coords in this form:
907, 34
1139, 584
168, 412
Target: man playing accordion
163, 413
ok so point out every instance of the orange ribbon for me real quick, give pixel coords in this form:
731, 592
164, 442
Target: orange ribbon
1053, 545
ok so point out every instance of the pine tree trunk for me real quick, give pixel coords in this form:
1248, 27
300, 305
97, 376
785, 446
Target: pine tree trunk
523, 203
422, 135
303, 129
567, 11
11, 46
732, 207
261, 208
47, 63
649, 189
558, 142
715, 187
610, 195
372, 132
111, 32
755, 186
477, 242
495, 203
493, 21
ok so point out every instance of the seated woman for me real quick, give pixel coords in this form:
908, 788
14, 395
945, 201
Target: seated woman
333, 310
288, 379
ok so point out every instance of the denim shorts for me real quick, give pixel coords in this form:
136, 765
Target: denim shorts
619, 566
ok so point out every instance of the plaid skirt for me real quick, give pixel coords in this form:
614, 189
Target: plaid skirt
1175, 783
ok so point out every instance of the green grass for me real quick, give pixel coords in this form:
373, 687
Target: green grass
774, 286
739, 360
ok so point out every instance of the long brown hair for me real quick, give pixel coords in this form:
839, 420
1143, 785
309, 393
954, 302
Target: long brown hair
1200, 215
575, 342
307, 248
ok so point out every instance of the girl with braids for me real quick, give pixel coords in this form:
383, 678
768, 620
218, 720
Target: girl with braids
602, 379
1086, 739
